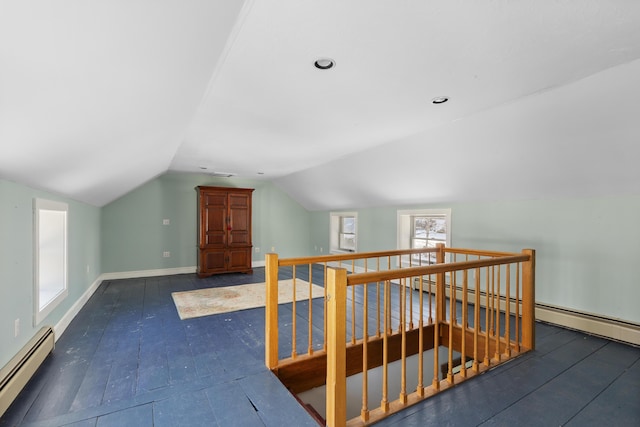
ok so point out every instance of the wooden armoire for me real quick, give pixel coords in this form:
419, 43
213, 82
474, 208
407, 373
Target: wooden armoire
224, 230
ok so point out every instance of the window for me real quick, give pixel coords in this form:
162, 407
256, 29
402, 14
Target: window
424, 228
344, 227
50, 256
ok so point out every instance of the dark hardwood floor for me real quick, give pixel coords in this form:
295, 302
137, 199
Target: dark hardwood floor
128, 360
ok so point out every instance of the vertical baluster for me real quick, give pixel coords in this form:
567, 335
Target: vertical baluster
487, 309
353, 305
324, 332
310, 322
436, 355
518, 334
476, 322
491, 309
294, 351
429, 296
452, 320
420, 387
465, 324
507, 314
378, 301
440, 316
452, 294
410, 303
497, 334
403, 349
364, 412
384, 403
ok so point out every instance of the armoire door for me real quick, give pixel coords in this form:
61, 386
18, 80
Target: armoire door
239, 220
215, 220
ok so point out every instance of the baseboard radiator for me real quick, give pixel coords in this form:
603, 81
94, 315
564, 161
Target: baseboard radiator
15, 375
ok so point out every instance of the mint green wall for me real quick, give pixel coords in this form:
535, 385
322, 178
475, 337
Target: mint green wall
134, 238
585, 247
16, 261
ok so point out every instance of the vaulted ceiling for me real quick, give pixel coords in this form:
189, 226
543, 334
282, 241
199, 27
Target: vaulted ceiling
99, 97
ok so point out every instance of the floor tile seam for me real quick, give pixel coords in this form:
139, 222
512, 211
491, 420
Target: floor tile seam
35, 399
211, 406
576, 338
120, 405
69, 419
595, 397
95, 351
540, 386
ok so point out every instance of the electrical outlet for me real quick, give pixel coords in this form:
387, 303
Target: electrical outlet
321, 250
88, 268
16, 328
166, 254
273, 248
166, 221
257, 249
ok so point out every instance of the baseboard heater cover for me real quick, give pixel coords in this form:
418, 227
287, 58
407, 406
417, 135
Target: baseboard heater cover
15, 374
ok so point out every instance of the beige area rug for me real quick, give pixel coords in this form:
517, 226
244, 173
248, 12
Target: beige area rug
205, 302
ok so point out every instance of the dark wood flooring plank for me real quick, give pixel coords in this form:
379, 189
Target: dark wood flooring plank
558, 400
139, 416
187, 409
211, 369
274, 405
231, 406
618, 404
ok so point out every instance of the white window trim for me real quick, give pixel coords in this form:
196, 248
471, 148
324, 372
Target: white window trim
404, 224
334, 230
41, 204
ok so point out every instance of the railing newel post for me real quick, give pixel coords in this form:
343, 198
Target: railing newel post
271, 308
528, 300
336, 383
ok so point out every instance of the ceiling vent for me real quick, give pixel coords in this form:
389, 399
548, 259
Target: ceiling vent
222, 174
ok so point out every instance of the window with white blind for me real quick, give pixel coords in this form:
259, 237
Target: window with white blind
344, 232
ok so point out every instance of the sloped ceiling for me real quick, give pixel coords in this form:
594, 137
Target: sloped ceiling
97, 98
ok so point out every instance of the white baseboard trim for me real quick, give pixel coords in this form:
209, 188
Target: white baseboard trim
148, 273
592, 324
256, 264
62, 325
64, 322
606, 327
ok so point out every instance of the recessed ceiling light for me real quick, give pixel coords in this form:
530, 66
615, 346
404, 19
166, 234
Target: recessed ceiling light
439, 100
324, 63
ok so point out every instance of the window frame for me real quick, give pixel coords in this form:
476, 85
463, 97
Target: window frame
405, 230
61, 289
337, 232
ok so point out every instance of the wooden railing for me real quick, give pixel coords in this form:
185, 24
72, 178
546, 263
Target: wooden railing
474, 307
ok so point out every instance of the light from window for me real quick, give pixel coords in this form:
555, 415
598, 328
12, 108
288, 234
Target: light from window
347, 233
427, 232
423, 228
344, 232
50, 256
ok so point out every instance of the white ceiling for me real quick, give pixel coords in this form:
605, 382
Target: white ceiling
97, 98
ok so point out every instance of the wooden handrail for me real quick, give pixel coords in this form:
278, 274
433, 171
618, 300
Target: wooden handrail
286, 262
379, 276
476, 252
485, 341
